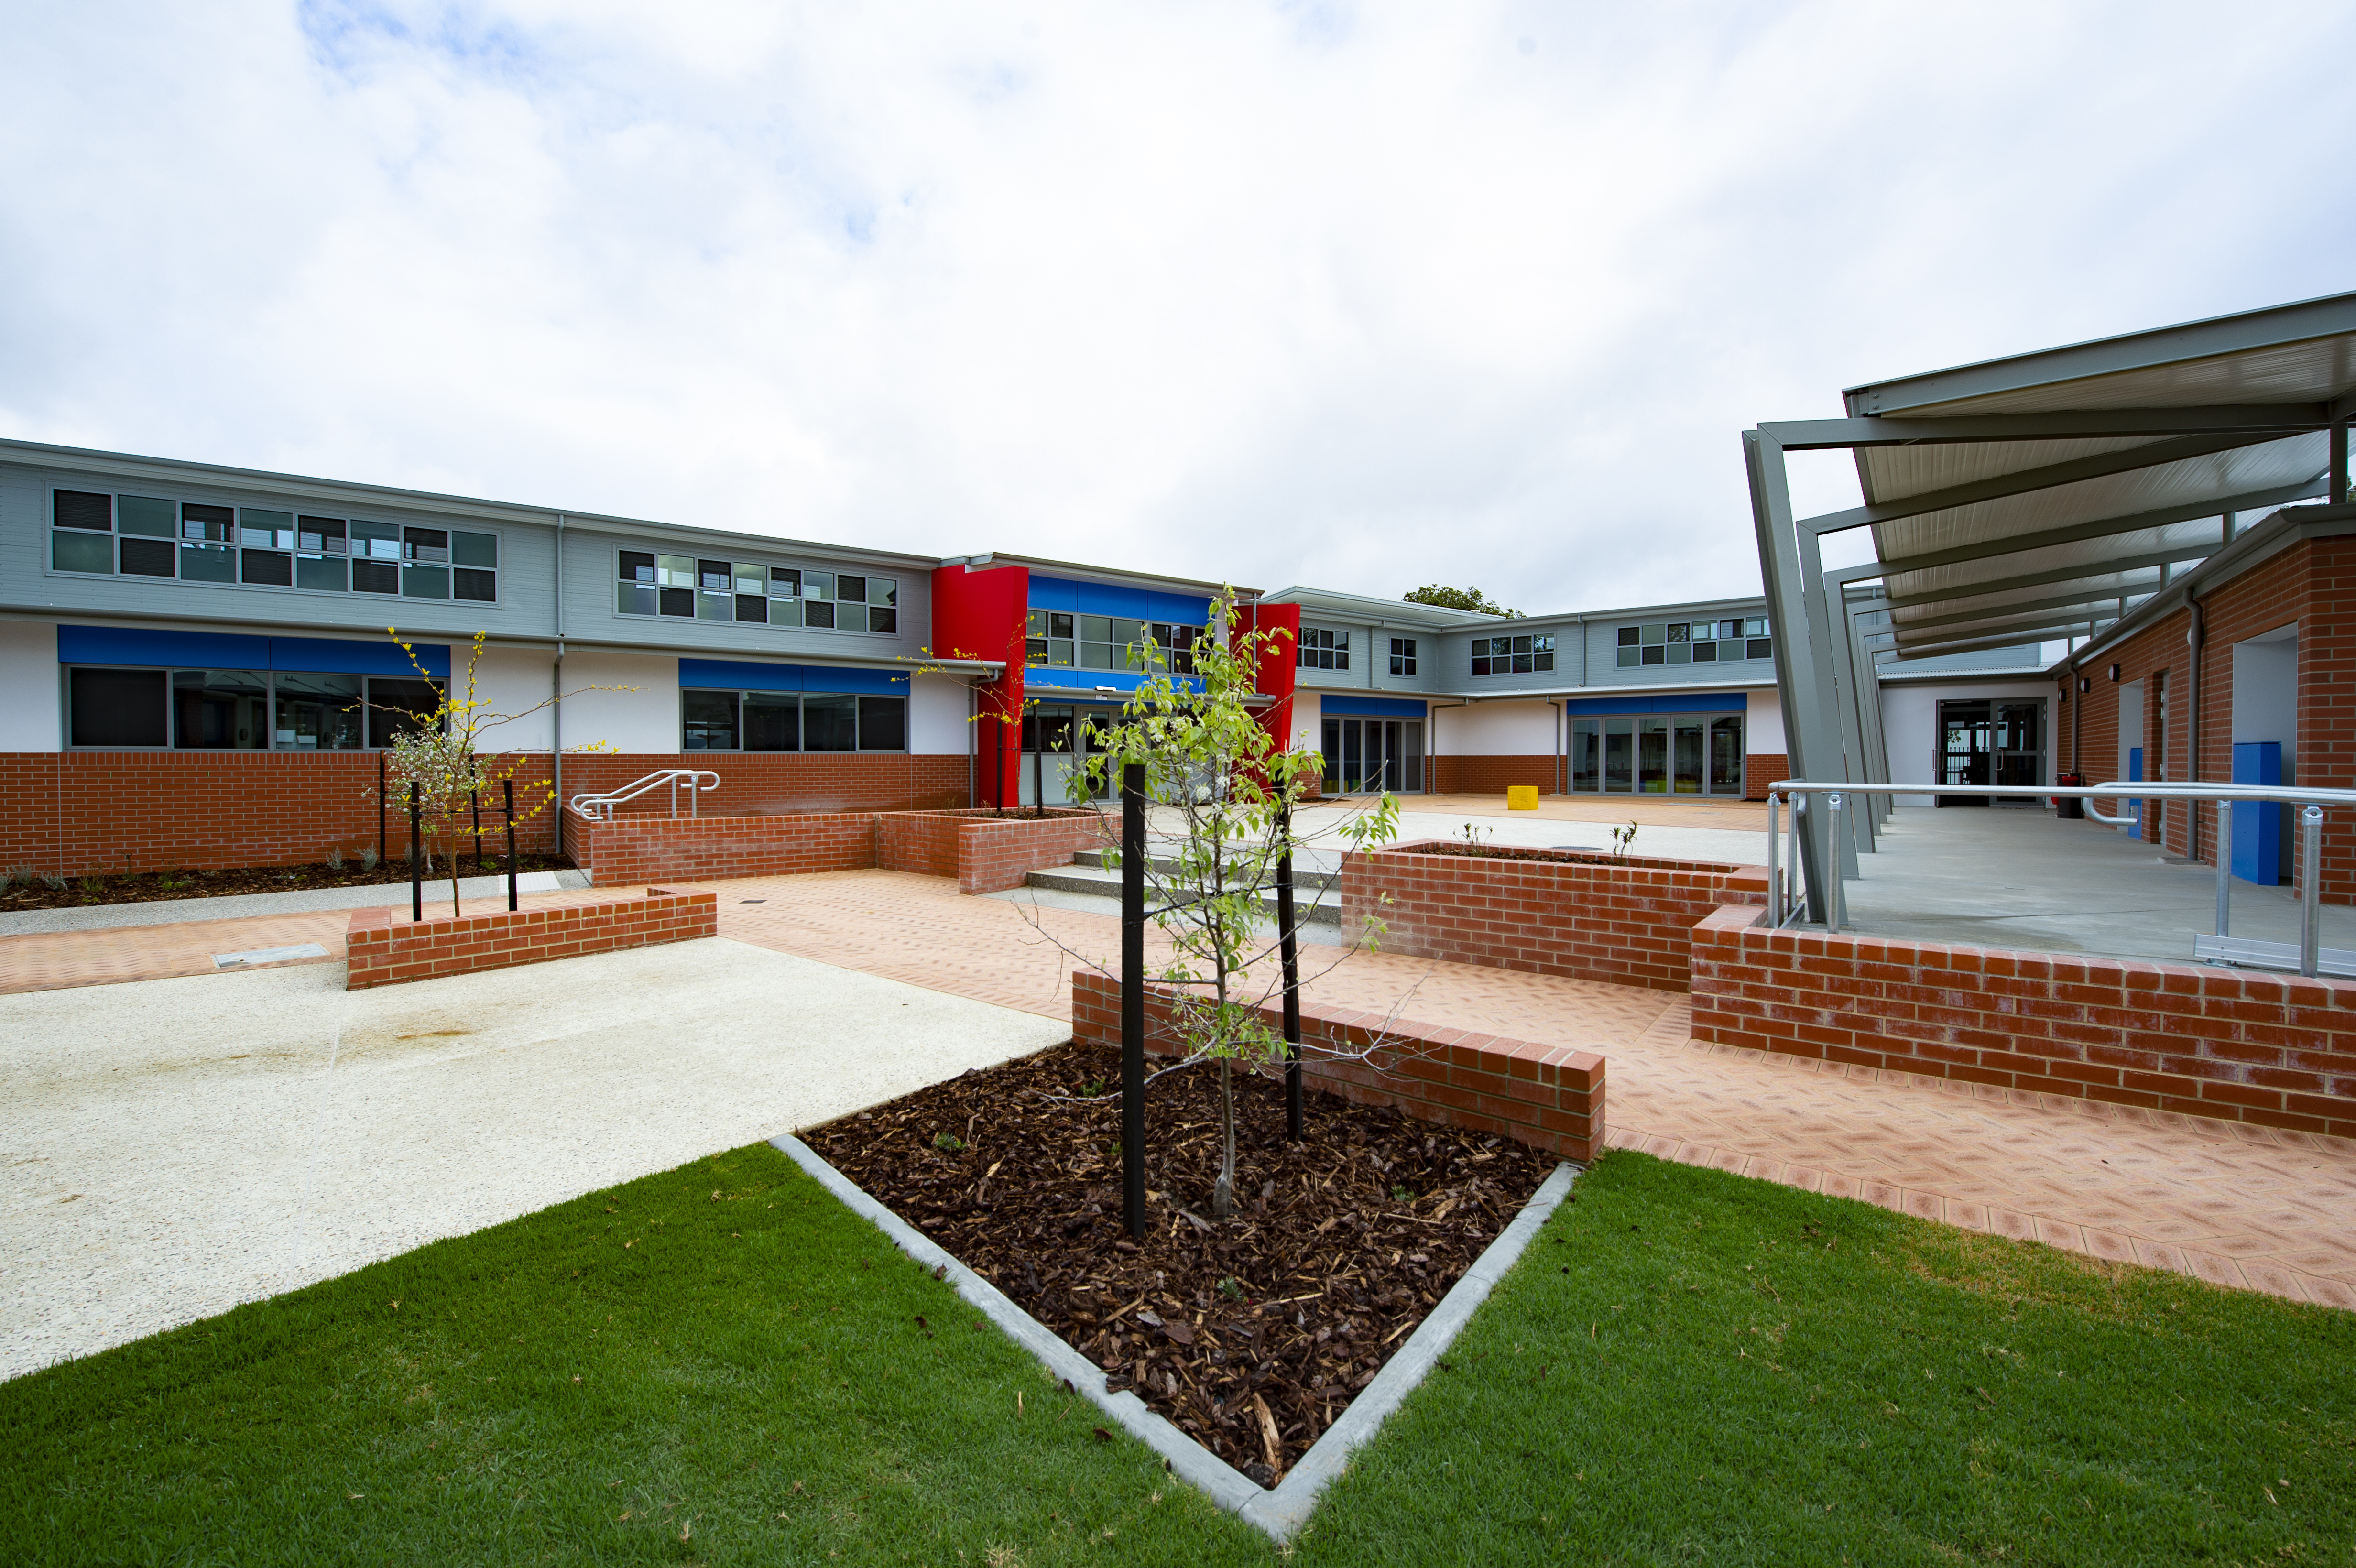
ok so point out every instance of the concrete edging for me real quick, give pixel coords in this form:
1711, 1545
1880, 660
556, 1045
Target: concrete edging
1279, 1513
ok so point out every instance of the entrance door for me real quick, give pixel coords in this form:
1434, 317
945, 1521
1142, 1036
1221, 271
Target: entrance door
1371, 756
1685, 757
1987, 742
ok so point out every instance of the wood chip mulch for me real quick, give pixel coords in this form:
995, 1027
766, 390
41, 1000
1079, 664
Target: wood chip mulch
1250, 1335
147, 887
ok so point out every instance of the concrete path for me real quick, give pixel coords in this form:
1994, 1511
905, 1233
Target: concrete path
171, 1148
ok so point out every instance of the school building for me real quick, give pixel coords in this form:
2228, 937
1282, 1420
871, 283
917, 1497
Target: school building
195, 667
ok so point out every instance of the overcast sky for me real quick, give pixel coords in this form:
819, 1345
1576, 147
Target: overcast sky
1359, 296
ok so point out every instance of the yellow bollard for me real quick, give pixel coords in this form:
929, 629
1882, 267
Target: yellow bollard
1521, 797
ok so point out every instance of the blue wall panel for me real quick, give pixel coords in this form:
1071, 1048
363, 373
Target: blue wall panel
231, 650
1660, 702
1335, 704
732, 675
1105, 598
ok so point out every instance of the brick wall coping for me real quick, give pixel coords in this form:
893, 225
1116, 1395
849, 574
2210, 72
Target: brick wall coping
2276, 1049
1515, 854
1551, 1097
382, 950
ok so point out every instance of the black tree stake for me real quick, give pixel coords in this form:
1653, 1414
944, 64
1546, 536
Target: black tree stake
416, 874
507, 788
1291, 958
1132, 996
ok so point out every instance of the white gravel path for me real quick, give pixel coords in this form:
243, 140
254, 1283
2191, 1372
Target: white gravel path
170, 1149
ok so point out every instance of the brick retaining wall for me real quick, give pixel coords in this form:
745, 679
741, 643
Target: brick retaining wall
636, 849
1549, 1097
382, 949
1627, 922
2239, 1046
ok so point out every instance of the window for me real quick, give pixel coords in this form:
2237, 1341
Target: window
1324, 649
1048, 638
744, 592
1695, 642
1524, 655
1402, 655
238, 710
263, 547
789, 721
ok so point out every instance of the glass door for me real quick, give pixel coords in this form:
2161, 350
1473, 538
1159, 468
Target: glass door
1653, 756
1685, 757
1725, 756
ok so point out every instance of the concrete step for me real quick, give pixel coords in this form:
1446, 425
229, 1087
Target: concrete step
1096, 882
1306, 881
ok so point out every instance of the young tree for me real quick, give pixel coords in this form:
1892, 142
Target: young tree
443, 754
1232, 788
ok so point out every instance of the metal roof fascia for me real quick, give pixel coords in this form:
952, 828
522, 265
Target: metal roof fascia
1877, 429
1104, 574
2272, 327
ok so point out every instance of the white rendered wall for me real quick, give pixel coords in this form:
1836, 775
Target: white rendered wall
1493, 730
32, 702
1308, 715
2265, 674
1910, 727
937, 709
642, 719
511, 681
1762, 723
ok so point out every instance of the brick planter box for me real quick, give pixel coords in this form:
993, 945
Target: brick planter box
383, 950
1585, 916
1548, 1097
985, 853
2271, 1049
632, 850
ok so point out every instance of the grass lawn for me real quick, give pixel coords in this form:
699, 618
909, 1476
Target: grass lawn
1688, 1368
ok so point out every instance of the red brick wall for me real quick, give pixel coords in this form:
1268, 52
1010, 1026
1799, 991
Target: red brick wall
1762, 768
1491, 774
2271, 1049
73, 813
760, 784
663, 848
381, 949
995, 854
2312, 583
1628, 923
1549, 1097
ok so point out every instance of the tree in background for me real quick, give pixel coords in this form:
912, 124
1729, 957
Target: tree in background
1460, 599
1232, 788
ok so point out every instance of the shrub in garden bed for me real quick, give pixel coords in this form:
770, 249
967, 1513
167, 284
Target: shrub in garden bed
26, 890
1250, 1335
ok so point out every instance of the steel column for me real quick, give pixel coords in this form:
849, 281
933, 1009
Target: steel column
1796, 687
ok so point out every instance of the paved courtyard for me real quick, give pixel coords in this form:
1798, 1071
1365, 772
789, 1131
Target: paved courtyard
278, 1130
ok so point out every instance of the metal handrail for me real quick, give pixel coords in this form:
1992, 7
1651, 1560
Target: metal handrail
600, 807
1784, 904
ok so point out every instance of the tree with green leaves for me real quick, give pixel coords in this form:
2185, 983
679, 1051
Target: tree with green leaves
1232, 788
1470, 599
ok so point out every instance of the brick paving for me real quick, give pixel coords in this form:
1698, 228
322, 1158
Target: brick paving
2239, 1205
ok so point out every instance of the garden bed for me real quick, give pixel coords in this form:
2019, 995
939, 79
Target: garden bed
1263, 1327
147, 886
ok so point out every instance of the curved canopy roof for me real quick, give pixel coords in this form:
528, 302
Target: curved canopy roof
2023, 498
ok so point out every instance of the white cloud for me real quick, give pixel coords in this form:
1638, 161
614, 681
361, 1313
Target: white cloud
1357, 296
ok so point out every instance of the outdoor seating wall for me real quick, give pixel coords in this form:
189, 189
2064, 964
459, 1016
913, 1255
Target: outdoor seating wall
100, 812
1548, 1097
383, 947
1627, 922
985, 853
2274, 1050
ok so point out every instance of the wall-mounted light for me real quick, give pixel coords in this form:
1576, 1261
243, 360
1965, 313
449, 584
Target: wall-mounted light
2115, 672
2085, 683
